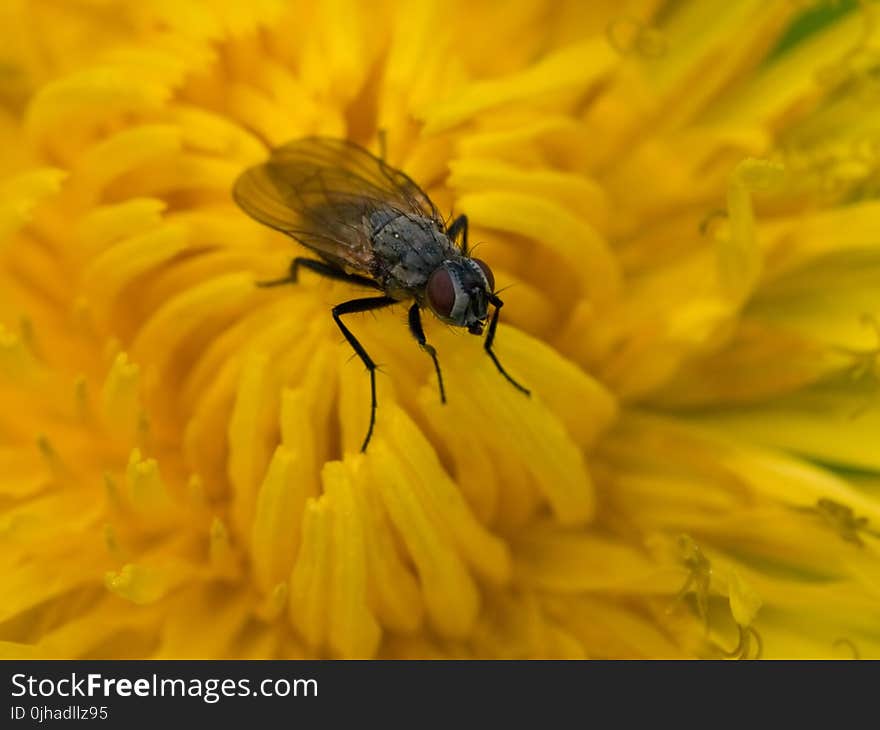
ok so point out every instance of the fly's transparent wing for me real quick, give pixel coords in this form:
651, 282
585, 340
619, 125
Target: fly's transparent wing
322, 192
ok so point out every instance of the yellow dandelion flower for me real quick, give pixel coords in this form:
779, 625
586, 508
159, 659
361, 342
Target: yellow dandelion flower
680, 200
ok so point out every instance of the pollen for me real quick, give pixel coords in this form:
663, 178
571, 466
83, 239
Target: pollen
147, 491
136, 584
120, 397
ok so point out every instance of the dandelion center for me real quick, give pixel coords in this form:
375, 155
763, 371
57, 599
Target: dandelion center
655, 200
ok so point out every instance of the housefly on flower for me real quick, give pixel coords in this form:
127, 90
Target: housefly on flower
371, 225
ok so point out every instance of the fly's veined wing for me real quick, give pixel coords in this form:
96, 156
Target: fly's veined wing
320, 191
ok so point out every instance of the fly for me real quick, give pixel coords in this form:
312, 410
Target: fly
371, 225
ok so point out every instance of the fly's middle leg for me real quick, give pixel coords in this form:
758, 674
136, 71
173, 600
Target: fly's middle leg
490, 338
415, 326
322, 268
351, 307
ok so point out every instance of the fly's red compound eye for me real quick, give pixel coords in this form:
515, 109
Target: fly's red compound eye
440, 293
490, 277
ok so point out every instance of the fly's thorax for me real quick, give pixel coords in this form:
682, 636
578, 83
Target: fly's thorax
458, 292
407, 249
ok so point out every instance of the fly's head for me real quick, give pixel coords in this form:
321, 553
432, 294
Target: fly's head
459, 292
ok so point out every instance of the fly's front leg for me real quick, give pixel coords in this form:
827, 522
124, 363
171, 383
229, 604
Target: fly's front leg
351, 307
490, 338
322, 268
459, 225
415, 326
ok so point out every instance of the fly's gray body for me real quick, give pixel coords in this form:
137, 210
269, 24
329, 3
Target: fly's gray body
407, 250
371, 225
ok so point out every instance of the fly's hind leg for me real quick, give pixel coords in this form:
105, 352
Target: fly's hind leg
415, 326
351, 307
321, 268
